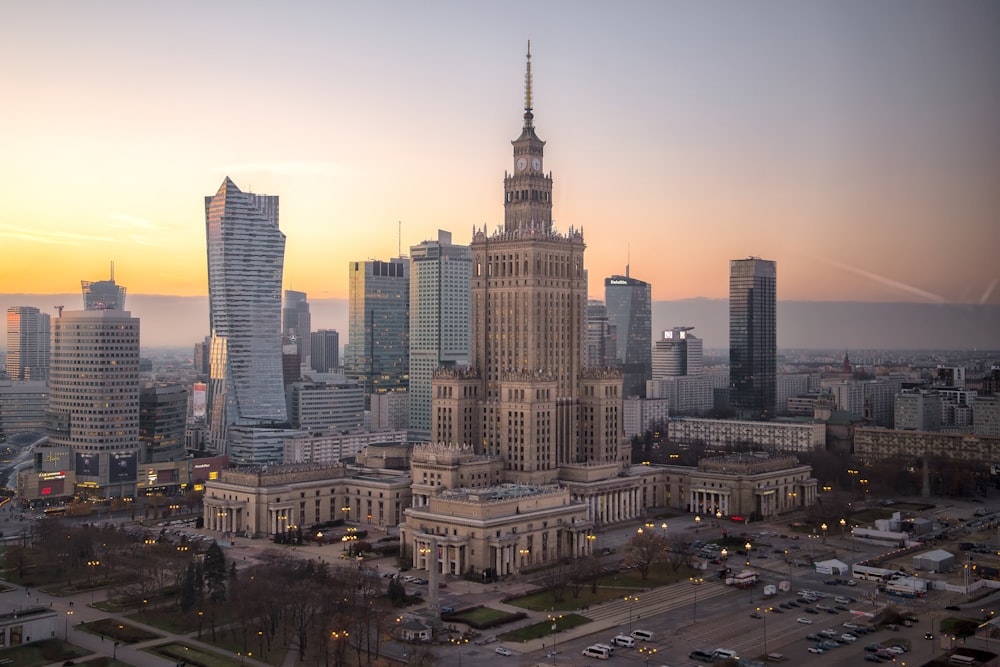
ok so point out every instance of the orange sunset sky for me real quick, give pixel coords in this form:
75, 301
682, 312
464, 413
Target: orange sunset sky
855, 143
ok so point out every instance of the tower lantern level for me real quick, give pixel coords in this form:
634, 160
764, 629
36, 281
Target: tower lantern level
527, 190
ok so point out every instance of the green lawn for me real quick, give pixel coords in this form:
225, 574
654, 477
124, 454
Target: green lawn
609, 587
481, 616
544, 628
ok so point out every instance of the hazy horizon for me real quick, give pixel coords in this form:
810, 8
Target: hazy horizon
855, 144
174, 321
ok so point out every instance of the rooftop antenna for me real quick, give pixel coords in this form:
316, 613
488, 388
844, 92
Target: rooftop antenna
399, 239
628, 257
59, 309
527, 81
112, 270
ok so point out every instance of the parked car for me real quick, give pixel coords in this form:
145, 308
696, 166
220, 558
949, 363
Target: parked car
502, 650
803, 620
816, 649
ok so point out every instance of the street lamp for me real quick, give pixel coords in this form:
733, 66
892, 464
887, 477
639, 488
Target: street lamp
346, 509
458, 643
763, 615
590, 541
638, 531
525, 553
697, 522
824, 527
725, 555
843, 525
629, 599
555, 622
66, 630
649, 651
349, 540
718, 517
695, 581
750, 587
424, 555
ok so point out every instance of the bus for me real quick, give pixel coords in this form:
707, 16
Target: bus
54, 511
876, 574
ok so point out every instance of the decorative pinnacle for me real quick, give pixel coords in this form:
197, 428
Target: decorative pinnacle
527, 82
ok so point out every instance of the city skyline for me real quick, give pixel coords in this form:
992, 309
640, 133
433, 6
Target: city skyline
853, 144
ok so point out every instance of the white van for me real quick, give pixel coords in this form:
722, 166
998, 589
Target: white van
597, 652
623, 640
611, 649
643, 635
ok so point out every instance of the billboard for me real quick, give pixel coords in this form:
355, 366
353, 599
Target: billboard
208, 468
53, 459
87, 465
198, 399
122, 467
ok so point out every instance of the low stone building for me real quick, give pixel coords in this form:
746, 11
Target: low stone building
467, 518
750, 485
500, 529
260, 501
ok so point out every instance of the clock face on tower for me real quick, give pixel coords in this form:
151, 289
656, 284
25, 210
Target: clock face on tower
536, 164
521, 163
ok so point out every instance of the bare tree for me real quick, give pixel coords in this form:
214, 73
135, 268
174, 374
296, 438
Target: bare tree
644, 550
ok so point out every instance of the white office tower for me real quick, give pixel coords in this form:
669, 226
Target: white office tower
440, 319
94, 397
678, 373
27, 343
246, 401
678, 352
918, 410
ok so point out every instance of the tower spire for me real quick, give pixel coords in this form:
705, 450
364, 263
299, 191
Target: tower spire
527, 90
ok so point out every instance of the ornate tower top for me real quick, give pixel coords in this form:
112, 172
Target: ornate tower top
528, 190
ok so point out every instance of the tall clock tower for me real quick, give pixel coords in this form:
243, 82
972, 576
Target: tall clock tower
528, 191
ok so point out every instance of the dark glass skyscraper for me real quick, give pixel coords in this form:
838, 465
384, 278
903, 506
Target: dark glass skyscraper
628, 301
325, 350
377, 353
752, 337
296, 322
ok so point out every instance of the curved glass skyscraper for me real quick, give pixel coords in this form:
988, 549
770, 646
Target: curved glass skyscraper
245, 258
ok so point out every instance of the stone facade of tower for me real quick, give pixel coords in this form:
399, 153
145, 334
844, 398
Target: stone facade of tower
527, 398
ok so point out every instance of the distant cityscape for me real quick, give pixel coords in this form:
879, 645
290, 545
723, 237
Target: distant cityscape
465, 374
